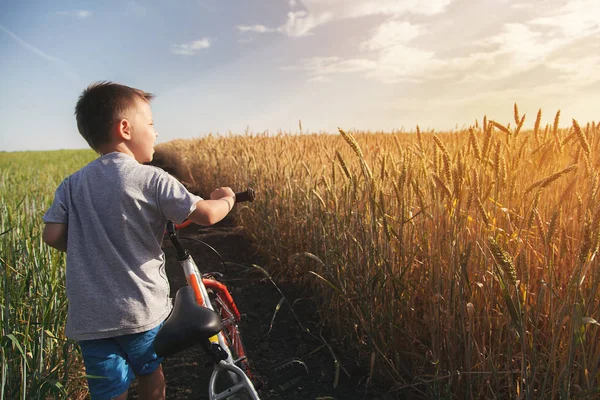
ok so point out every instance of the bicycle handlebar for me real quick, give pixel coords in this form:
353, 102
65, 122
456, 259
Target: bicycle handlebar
247, 195
240, 197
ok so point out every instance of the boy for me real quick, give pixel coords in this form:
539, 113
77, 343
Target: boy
110, 217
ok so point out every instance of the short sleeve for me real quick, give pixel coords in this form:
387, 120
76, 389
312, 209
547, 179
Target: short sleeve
58, 213
175, 202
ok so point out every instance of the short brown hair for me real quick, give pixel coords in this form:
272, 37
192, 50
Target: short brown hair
100, 105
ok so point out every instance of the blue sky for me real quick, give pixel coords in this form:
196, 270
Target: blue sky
219, 66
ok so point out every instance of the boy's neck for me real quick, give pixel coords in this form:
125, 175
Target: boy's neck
112, 148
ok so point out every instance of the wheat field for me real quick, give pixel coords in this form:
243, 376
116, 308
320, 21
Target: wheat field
456, 265
451, 264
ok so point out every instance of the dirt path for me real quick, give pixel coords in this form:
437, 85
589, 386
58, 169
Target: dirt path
257, 299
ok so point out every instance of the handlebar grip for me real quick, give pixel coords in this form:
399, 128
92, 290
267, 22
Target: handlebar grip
247, 195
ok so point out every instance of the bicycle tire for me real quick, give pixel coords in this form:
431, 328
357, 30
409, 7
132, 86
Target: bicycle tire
233, 340
231, 332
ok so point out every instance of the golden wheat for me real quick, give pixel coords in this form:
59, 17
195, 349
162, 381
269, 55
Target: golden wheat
406, 257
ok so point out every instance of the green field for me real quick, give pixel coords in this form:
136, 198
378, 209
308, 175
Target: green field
37, 360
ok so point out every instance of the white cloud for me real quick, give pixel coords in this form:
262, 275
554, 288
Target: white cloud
334, 65
404, 63
79, 14
523, 45
316, 13
521, 6
392, 33
321, 68
574, 19
319, 79
583, 70
551, 40
390, 59
398, 63
191, 48
524, 40
254, 28
301, 23
359, 8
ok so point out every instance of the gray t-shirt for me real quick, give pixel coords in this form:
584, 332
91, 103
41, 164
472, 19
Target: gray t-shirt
116, 210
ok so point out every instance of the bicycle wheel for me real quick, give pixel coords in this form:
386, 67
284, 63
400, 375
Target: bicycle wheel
225, 307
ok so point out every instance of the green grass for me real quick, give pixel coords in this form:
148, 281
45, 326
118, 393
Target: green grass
37, 359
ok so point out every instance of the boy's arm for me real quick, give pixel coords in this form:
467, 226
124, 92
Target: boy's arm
55, 235
209, 212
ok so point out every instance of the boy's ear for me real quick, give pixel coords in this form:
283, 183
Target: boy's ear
124, 129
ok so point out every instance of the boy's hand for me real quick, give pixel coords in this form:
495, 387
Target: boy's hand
222, 192
209, 212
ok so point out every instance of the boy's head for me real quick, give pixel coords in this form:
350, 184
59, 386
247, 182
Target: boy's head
104, 107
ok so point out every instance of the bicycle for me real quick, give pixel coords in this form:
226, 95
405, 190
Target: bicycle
205, 313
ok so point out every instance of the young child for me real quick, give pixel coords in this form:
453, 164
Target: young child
110, 217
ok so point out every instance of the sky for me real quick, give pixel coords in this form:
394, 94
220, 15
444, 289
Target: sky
236, 66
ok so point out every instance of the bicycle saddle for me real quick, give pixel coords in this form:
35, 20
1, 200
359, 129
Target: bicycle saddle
188, 324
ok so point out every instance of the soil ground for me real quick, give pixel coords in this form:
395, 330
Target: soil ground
257, 298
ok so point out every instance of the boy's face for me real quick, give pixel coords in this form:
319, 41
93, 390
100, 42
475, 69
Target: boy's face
142, 132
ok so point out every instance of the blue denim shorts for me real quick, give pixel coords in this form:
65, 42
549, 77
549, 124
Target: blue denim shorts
112, 364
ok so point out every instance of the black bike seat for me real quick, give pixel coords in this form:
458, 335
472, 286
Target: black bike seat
188, 324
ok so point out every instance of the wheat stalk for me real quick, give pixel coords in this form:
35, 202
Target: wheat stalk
354, 145
536, 127
503, 170
552, 226
475, 182
474, 144
504, 260
579, 207
542, 183
520, 125
461, 166
343, 164
419, 193
420, 140
502, 128
445, 158
582, 139
556, 133
436, 165
534, 206
487, 138
595, 237
443, 187
497, 165
470, 197
479, 205
540, 224
586, 244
